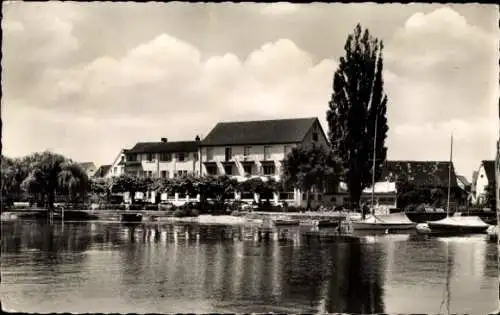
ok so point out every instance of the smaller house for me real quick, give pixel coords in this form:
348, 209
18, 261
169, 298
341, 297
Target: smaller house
485, 177
118, 167
163, 159
102, 171
89, 168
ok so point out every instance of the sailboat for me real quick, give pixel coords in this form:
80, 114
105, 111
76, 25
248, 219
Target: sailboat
453, 224
388, 222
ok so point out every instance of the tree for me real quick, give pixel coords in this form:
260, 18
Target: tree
358, 107
310, 167
51, 174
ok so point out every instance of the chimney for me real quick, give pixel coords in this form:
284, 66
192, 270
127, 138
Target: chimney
197, 138
164, 140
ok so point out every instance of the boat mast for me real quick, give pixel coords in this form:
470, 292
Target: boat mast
449, 178
373, 165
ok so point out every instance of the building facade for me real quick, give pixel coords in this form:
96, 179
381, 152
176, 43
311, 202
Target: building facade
485, 177
250, 149
118, 166
163, 159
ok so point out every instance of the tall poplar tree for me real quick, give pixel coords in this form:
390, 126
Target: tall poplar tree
358, 103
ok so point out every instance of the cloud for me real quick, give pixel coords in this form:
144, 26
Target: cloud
170, 91
279, 8
438, 69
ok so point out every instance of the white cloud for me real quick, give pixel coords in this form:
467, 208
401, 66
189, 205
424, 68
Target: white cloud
163, 87
279, 8
165, 80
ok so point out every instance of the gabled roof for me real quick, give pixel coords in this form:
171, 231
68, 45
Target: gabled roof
165, 147
489, 169
87, 165
463, 180
420, 173
102, 170
259, 132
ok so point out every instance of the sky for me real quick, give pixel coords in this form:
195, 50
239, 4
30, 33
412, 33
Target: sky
88, 79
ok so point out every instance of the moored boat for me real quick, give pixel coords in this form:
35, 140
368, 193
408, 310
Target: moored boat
286, 221
453, 225
459, 225
327, 223
389, 222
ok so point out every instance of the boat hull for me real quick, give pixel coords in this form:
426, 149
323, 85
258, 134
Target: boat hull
422, 217
382, 226
456, 229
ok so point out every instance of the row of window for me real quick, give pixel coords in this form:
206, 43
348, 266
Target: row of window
162, 157
163, 174
228, 152
228, 170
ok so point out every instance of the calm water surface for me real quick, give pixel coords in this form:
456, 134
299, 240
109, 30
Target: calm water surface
109, 267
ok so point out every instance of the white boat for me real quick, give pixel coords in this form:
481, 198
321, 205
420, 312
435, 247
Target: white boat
391, 222
453, 225
458, 225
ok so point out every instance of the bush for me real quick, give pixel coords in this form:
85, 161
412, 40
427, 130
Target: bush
151, 207
194, 213
179, 213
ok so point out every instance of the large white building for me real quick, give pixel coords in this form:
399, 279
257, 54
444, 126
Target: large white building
249, 149
163, 159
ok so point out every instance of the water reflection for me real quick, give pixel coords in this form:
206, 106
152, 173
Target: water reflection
167, 268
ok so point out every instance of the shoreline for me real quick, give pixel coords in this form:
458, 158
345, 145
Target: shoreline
165, 216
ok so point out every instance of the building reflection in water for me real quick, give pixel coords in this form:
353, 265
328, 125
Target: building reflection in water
227, 269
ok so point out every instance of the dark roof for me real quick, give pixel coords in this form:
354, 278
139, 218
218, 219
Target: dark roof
259, 132
489, 169
165, 147
420, 173
87, 165
463, 180
102, 170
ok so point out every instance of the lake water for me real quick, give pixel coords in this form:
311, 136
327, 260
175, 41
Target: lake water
153, 268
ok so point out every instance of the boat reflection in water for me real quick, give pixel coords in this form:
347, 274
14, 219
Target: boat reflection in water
153, 268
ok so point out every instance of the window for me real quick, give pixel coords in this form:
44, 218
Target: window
149, 174
210, 154
184, 173
132, 157
315, 136
267, 153
165, 157
181, 157
179, 173
122, 158
247, 169
149, 157
228, 154
115, 170
246, 153
268, 169
228, 169
163, 174
212, 170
